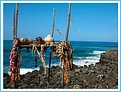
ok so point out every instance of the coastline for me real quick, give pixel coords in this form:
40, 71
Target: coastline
102, 75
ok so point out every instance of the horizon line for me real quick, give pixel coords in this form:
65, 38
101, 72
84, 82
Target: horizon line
77, 40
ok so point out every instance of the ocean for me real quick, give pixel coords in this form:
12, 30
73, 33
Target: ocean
84, 53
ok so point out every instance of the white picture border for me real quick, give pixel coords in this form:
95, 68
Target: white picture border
2, 89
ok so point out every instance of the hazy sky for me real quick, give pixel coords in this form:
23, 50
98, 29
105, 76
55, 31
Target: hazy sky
89, 22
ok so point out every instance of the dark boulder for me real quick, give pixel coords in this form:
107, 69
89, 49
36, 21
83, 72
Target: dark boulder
109, 56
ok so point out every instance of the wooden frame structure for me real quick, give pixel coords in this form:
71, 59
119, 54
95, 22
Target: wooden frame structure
62, 50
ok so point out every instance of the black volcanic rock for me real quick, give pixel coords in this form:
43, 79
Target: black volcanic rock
98, 76
110, 55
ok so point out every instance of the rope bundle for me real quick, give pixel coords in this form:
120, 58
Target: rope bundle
61, 49
40, 54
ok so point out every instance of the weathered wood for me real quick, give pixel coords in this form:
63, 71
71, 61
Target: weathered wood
49, 65
27, 46
30, 46
16, 20
14, 25
68, 24
61, 52
14, 74
66, 68
53, 22
66, 60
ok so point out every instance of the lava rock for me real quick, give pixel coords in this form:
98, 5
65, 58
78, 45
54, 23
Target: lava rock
109, 56
99, 76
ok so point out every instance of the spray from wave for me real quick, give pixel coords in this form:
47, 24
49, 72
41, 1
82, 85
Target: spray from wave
81, 61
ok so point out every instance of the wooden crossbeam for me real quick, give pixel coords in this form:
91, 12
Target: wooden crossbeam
38, 46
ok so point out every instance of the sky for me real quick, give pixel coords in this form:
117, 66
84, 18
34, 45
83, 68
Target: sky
89, 22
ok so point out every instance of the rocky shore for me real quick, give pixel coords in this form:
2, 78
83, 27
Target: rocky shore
102, 75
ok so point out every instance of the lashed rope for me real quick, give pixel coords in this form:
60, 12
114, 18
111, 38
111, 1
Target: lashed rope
64, 51
40, 54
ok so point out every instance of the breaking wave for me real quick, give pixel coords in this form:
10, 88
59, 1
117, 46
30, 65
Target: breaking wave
79, 61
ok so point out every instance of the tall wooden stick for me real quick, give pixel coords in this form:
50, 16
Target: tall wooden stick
49, 65
68, 24
66, 60
14, 25
15, 75
16, 20
53, 22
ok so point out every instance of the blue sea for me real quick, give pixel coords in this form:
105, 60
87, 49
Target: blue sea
84, 53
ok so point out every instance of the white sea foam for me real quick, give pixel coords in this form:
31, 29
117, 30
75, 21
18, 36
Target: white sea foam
25, 70
55, 64
79, 61
87, 61
98, 52
87, 58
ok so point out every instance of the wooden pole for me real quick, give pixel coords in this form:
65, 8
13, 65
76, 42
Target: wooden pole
53, 22
14, 73
68, 24
66, 60
49, 65
16, 20
14, 25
